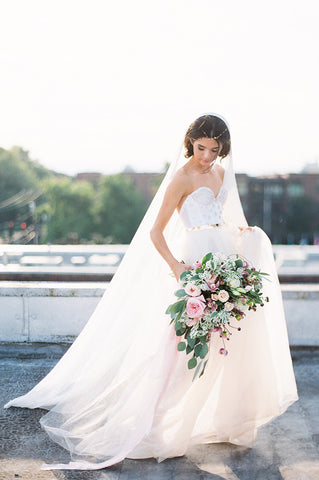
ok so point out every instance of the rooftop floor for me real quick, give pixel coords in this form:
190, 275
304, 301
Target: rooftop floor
287, 448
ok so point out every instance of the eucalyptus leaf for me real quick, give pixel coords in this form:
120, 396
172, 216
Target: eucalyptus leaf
192, 363
204, 351
197, 349
197, 370
181, 346
180, 293
184, 274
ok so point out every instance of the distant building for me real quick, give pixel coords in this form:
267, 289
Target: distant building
92, 177
146, 183
285, 206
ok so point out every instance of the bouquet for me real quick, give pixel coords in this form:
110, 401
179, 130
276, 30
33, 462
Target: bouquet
216, 291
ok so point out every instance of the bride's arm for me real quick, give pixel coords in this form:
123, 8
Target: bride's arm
175, 191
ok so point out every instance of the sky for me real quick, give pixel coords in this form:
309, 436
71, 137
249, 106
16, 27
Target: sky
96, 85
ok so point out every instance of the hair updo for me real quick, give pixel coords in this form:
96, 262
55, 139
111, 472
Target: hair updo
208, 126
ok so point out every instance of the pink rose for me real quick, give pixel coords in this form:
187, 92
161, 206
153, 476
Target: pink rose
229, 306
192, 290
195, 306
223, 296
197, 265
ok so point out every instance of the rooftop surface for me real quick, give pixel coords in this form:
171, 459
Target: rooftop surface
287, 448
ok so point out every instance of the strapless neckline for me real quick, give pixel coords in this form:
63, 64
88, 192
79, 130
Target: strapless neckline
203, 188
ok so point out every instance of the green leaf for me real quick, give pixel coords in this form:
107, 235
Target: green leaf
241, 290
197, 349
184, 274
191, 342
204, 351
178, 326
168, 310
207, 257
180, 293
197, 370
192, 363
181, 346
195, 277
203, 369
234, 292
188, 349
239, 263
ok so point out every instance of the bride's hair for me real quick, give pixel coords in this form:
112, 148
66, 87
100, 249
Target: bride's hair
208, 126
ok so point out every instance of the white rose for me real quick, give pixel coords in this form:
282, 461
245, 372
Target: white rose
234, 283
192, 290
223, 296
214, 296
228, 306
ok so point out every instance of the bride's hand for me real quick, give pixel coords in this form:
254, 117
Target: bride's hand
179, 268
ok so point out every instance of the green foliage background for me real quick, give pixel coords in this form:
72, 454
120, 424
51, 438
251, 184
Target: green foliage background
69, 210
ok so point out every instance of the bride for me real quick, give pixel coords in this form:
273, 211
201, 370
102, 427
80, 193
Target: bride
122, 390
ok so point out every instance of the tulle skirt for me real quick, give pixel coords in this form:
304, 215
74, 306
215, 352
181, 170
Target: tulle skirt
123, 389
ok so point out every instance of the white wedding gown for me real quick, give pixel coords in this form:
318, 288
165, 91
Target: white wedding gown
126, 391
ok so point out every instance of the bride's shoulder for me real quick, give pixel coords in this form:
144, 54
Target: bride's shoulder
180, 182
220, 170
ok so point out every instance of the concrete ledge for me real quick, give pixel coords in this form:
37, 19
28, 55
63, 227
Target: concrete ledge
56, 312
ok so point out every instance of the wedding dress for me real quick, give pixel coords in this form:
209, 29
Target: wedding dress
122, 390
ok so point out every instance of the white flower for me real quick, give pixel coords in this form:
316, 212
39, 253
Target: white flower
228, 306
223, 296
214, 296
234, 283
248, 287
192, 290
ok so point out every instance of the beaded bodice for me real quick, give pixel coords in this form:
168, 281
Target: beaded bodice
201, 207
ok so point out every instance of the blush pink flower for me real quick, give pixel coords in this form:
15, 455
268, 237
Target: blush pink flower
192, 321
195, 306
212, 283
197, 265
229, 306
192, 290
223, 295
212, 305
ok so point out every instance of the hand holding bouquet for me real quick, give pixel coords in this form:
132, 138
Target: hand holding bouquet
215, 291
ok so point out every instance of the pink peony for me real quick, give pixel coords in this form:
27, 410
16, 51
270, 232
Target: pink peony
192, 290
223, 296
195, 306
197, 265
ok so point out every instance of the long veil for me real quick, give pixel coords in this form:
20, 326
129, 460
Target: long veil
113, 375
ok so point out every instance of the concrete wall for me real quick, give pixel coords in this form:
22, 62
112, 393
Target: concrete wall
56, 311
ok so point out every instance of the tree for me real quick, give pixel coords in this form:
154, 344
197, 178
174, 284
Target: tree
70, 210
120, 208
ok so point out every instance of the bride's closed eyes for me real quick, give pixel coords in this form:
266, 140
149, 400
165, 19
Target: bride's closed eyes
214, 150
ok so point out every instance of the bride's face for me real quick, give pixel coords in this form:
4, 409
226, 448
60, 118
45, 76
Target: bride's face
205, 150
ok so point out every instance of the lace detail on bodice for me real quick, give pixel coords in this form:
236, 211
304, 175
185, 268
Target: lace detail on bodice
201, 207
